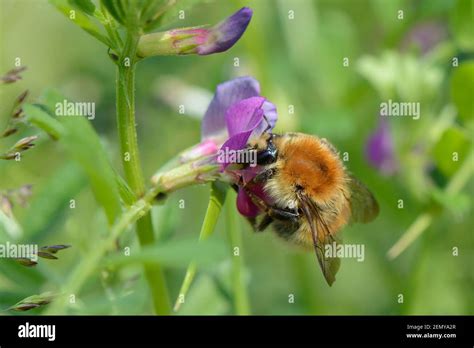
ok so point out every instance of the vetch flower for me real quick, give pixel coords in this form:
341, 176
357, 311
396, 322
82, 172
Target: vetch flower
196, 40
237, 108
236, 115
379, 149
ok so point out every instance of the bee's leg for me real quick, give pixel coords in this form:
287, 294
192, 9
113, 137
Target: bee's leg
266, 221
272, 211
263, 176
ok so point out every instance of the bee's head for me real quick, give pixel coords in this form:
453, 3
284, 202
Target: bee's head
266, 150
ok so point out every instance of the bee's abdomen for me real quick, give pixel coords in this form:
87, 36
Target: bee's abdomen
286, 229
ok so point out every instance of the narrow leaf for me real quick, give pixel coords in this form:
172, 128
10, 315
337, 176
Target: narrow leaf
174, 254
82, 21
36, 116
83, 144
86, 6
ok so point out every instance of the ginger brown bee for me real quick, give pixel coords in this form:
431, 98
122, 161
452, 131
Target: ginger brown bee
309, 194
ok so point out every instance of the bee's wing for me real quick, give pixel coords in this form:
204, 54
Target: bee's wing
364, 207
321, 237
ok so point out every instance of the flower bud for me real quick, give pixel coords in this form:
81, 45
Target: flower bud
196, 40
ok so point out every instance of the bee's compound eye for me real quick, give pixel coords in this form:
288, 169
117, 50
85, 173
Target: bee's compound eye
267, 156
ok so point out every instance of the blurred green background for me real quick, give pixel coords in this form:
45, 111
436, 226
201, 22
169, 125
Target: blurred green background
299, 63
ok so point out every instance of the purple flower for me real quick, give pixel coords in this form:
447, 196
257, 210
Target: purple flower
196, 40
225, 34
237, 112
235, 116
379, 149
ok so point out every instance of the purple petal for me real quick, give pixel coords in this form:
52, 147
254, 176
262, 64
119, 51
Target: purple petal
237, 141
270, 112
245, 206
227, 93
225, 34
244, 115
379, 149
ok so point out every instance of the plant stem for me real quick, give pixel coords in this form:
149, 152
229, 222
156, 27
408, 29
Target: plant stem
167, 182
214, 207
126, 116
131, 163
241, 301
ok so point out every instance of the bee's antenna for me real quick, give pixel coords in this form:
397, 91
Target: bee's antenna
269, 126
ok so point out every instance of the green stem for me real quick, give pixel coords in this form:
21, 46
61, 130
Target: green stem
185, 175
214, 207
241, 301
126, 115
131, 163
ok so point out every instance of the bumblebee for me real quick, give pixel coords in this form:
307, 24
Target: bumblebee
309, 196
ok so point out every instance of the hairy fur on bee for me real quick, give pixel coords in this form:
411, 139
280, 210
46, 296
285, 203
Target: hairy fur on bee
310, 195
308, 166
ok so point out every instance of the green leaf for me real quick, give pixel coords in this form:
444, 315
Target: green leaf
205, 298
83, 144
154, 10
9, 226
461, 24
176, 253
7, 297
86, 6
48, 205
170, 13
38, 117
216, 201
239, 286
21, 276
451, 150
125, 191
214, 207
462, 87
116, 9
82, 21
457, 204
